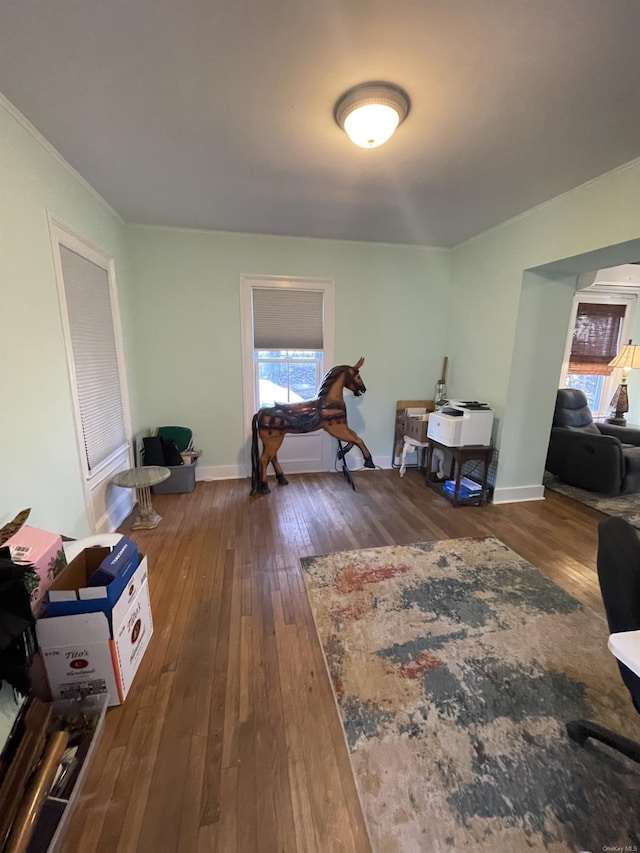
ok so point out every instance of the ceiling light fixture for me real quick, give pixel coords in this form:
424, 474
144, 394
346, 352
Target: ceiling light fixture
370, 113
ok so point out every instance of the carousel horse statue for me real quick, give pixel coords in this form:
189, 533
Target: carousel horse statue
328, 411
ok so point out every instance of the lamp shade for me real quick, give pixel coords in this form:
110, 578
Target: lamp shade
369, 114
628, 357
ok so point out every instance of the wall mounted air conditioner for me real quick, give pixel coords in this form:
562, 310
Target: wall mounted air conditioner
622, 279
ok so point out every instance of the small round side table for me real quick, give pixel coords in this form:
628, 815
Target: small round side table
141, 479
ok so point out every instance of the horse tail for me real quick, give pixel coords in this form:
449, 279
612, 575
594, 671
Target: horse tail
255, 457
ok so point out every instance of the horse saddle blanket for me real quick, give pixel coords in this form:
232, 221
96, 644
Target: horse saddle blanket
299, 416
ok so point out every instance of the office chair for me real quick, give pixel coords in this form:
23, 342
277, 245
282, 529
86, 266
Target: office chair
619, 576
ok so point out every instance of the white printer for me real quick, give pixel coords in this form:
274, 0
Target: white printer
461, 423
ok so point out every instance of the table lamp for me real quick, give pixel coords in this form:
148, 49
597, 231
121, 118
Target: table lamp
628, 358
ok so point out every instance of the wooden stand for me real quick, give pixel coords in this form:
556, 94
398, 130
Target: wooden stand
342, 455
459, 455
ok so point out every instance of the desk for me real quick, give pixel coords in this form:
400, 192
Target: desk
141, 479
459, 455
626, 647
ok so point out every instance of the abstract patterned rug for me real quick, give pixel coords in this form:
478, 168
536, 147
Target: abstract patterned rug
455, 665
622, 506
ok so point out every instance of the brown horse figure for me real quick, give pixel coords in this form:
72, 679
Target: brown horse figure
328, 411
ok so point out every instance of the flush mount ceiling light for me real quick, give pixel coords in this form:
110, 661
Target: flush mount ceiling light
370, 113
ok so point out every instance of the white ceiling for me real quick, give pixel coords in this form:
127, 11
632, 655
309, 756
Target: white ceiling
219, 113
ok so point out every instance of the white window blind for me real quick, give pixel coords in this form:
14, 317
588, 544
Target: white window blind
88, 299
286, 319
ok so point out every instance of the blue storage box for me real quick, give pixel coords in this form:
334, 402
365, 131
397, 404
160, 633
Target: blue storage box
118, 562
182, 479
70, 593
468, 488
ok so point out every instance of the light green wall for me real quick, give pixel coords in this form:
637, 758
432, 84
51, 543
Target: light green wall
402, 307
496, 327
39, 464
391, 302
545, 308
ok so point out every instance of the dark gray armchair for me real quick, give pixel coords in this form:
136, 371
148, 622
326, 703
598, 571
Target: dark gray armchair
597, 457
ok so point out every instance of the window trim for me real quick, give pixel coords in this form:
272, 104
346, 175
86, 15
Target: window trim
62, 235
602, 297
247, 283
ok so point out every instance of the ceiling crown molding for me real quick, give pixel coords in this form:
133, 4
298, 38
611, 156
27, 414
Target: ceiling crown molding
24, 122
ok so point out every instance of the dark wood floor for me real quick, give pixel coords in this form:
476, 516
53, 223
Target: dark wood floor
229, 739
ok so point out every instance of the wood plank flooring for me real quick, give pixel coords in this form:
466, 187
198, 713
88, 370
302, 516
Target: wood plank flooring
229, 739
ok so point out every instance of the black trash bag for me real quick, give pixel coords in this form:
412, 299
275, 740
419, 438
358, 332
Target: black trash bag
161, 451
153, 452
17, 636
172, 455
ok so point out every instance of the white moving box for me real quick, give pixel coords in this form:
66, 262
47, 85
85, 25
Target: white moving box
83, 655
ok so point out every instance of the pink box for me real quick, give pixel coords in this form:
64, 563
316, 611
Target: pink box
44, 551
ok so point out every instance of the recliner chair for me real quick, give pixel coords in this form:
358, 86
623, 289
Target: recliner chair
619, 575
594, 456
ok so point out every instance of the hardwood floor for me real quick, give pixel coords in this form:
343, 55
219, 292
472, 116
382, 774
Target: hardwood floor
229, 739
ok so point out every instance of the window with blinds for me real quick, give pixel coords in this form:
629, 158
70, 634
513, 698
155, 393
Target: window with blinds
95, 360
596, 337
601, 322
285, 319
288, 342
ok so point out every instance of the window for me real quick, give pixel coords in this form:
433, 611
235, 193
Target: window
95, 360
596, 335
591, 385
287, 346
288, 343
287, 376
88, 301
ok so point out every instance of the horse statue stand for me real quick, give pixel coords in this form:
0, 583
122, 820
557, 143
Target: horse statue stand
328, 412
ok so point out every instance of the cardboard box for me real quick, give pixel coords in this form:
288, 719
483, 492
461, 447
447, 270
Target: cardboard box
89, 653
44, 551
71, 592
416, 428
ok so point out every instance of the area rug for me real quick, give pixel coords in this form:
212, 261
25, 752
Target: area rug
455, 666
621, 506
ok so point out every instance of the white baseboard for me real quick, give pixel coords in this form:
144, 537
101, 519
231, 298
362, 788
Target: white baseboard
517, 494
117, 511
380, 462
207, 473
